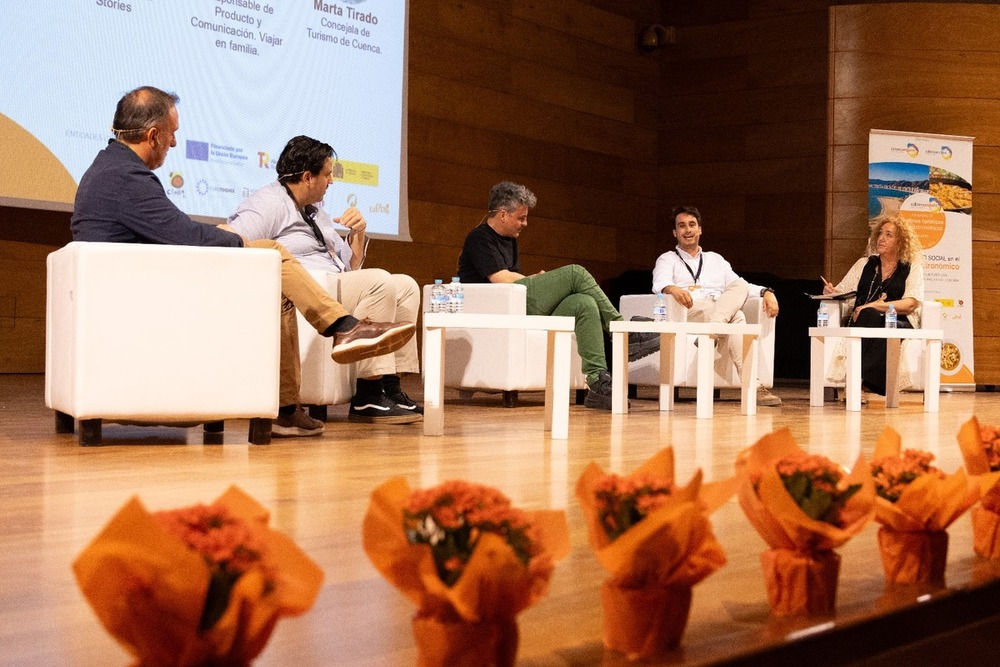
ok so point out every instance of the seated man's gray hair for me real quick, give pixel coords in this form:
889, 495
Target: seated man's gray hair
140, 109
508, 196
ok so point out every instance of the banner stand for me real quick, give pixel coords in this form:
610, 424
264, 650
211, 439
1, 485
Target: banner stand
926, 179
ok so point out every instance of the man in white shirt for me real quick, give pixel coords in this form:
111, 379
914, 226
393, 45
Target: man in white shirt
288, 211
705, 284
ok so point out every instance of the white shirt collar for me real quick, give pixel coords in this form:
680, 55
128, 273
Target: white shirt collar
684, 253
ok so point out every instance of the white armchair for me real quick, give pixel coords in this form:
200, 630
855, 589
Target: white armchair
646, 371
162, 335
324, 381
506, 360
912, 357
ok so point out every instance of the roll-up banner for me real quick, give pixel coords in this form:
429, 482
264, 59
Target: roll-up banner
927, 179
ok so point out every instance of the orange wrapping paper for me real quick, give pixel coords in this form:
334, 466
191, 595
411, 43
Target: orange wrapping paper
985, 520
801, 570
472, 622
986, 533
458, 643
655, 563
917, 557
800, 583
642, 622
148, 589
928, 504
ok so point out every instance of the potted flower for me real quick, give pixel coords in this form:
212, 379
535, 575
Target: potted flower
198, 585
915, 505
468, 559
980, 445
655, 539
804, 506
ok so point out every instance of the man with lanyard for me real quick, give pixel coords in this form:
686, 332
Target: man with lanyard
705, 284
287, 211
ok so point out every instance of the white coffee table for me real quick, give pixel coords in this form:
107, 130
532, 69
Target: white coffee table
557, 367
672, 338
930, 338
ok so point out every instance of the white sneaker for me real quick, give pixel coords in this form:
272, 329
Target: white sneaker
766, 398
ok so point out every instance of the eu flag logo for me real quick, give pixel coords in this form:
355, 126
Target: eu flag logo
197, 150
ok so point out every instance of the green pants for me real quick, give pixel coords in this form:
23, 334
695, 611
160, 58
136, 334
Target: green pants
571, 290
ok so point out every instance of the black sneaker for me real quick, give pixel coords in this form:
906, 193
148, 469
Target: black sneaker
599, 393
380, 410
402, 400
642, 344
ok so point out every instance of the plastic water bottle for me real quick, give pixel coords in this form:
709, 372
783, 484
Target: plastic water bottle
439, 299
823, 316
660, 308
456, 296
890, 317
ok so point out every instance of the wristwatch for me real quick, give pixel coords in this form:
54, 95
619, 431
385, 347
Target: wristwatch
765, 290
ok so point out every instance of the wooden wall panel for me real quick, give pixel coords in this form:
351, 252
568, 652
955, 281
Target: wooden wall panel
747, 107
554, 95
850, 215
913, 26
850, 165
573, 91
986, 309
979, 118
744, 129
986, 214
987, 351
776, 176
579, 19
845, 252
950, 74
768, 70
463, 103
984, 157
22, 306
789, 31
985, 267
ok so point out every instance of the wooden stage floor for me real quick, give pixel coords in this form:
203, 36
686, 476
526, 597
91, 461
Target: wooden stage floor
56, 496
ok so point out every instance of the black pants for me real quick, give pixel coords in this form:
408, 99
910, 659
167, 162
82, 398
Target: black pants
873, 349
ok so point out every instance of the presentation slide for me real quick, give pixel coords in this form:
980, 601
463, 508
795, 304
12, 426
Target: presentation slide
250, 75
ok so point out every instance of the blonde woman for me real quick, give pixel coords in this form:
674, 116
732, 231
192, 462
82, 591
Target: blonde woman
891, 275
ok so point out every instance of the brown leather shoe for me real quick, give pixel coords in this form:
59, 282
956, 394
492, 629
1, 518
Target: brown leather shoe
370, 339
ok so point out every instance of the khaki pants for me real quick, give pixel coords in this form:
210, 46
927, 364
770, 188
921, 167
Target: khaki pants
727, 308
373, 293
383, 297
299, 291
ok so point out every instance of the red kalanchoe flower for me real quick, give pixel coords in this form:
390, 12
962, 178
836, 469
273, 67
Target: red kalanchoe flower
814, 482
622, 502
229, 545
451, 517
893, 473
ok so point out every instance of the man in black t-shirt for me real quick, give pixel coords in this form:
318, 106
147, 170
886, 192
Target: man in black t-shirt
489, 255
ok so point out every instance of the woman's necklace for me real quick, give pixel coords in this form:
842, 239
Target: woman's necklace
878, 281
886, 276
